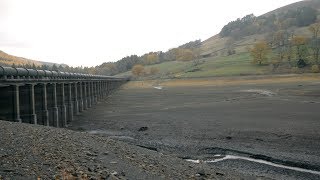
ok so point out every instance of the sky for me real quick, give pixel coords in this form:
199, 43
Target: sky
90, 32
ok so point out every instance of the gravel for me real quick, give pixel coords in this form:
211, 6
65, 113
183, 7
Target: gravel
32, 151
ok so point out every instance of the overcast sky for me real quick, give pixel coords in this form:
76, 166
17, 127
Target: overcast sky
90, 32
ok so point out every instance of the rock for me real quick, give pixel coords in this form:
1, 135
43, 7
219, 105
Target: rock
219, 174
143, 128
201, 172
88, 153
122, 173
114, 173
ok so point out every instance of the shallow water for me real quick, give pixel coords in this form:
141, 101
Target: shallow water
232, 157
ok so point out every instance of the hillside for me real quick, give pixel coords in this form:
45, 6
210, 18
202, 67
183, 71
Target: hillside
9, 60
227, 53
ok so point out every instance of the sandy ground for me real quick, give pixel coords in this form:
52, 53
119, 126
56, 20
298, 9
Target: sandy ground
275, 119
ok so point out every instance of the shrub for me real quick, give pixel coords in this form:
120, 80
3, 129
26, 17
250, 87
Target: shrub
315, 69
138, 70
295, 70
154, 71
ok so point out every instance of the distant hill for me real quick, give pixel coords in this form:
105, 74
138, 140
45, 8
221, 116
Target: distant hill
239, 38
306, 3
9, 60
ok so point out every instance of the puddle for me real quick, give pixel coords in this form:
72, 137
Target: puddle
260, 91
158, 87
193, 161
232, 157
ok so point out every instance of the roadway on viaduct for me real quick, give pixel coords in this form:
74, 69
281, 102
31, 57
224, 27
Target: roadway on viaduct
50, 98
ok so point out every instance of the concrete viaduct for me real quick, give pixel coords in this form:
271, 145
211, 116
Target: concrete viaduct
50, 98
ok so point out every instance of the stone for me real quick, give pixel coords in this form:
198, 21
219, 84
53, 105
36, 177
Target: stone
143, 128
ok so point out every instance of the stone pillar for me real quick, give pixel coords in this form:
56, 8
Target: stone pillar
63, 107
70, 106
85, 96
16, 104
80, 97
76, 103
45, 112
33, 115
55, 106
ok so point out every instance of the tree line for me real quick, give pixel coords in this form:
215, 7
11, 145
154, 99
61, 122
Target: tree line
286, 48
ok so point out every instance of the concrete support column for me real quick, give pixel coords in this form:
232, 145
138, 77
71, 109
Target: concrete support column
55, 106
89, 95
63, 107
102, 90
76, 103
69, 101
16, 104
95, 92
80, 97
106, 88
85, 96
33, 115
93, 99
45, 112
99, 90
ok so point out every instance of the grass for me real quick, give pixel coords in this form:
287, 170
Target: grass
234, 65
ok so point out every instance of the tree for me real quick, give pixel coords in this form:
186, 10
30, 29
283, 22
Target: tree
151, 58
138, 70
54, 68
315, 42
260, 52
184, 54
301, 49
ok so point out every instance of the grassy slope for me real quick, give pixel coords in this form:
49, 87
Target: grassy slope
238, 64
235, 65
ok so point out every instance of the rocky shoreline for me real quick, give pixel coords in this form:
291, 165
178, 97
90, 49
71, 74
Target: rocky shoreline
39, 152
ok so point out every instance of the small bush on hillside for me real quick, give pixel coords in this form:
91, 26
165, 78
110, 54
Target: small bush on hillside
138, 70
295, 70
315, 69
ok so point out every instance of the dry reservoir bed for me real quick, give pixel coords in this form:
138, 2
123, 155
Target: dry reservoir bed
269, 125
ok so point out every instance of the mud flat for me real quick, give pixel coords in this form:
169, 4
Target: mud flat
274, 120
